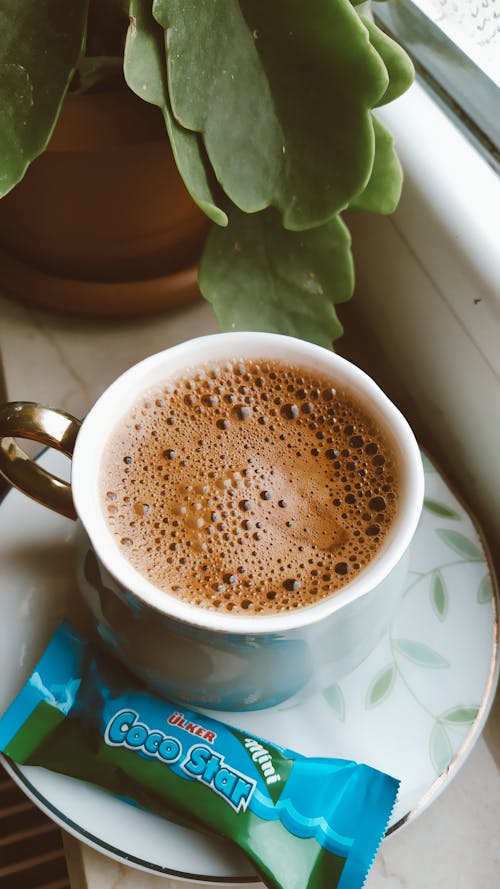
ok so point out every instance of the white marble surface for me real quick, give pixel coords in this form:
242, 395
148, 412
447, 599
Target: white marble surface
67, 362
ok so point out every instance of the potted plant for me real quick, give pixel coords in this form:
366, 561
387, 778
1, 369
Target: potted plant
268, 109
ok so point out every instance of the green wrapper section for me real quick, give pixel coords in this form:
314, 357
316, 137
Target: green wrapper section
304, 822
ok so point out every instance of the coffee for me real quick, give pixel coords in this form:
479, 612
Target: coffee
250, 486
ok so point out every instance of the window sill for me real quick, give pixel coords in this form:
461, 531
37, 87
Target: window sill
428, 290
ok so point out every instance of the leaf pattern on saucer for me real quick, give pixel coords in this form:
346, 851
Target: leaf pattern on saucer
419, 653
440, 746
440, 749
334, 697
485, 591
440, 509
439, 595
381, 685
461, 544
450, 578
459, 715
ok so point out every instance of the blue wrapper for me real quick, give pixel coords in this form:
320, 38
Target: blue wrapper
304, 822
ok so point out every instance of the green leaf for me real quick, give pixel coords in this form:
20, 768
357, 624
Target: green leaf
40, 43
397, 62
460, 715
381, 686
192, 163
334, 697
383, 189
420, 654
439, 595
485, 591
144, 63
281, 92
461, 545
440, 749
259, 276
145, 73
440, 509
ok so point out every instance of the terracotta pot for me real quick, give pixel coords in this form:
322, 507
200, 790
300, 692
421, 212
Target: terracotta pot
102, 222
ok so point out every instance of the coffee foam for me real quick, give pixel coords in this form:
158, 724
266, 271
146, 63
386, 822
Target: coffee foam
249, 487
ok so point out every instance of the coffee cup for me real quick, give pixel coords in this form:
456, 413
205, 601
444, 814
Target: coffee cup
208, 653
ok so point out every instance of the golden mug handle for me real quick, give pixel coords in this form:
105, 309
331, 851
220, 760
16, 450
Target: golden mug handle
56, 429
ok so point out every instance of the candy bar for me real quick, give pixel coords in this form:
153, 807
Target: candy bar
304, 822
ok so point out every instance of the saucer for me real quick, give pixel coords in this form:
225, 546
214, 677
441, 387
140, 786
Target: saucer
414, 708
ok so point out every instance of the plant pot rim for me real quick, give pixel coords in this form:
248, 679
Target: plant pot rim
98, 298
105, 120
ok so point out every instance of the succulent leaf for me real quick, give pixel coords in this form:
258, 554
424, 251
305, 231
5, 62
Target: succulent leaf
40, 44
383, 189
260, 276
306, 76
145, 73
397, 62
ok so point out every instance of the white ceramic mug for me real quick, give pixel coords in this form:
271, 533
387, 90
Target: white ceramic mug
197, 656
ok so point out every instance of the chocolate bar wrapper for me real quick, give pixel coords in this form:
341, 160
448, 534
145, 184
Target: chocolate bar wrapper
304, 822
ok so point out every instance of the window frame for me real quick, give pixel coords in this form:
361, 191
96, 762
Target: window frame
456, 82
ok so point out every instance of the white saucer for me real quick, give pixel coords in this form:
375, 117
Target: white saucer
414, 708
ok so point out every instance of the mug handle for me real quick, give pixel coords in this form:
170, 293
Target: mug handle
56, 429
